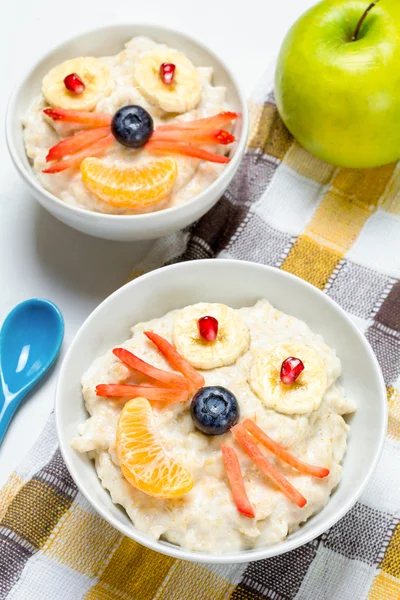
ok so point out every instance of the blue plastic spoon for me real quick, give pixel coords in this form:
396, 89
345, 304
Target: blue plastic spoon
30, 341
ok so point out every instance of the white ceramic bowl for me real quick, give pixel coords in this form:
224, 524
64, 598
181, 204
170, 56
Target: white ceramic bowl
107, 41
237, 284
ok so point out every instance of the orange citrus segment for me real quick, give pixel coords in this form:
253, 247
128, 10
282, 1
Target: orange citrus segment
143, 460
139, 187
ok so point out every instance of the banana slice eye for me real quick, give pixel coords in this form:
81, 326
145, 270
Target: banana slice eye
300, 397
182, 95
93, 72
232, 341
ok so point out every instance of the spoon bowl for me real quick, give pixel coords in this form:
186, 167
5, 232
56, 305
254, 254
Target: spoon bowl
30, 341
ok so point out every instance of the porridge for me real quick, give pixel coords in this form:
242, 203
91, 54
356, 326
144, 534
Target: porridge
131, 133
239, 457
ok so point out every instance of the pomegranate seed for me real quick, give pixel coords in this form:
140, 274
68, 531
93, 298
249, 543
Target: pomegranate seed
208, 328
291, 369
167, 72
74, 84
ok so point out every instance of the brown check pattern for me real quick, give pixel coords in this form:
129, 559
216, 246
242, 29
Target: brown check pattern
340, 230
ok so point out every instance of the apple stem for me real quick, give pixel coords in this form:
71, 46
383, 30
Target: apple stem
361, 21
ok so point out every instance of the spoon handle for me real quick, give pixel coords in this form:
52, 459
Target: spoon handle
7, 410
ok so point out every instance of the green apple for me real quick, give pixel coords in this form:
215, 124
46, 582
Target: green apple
337, 82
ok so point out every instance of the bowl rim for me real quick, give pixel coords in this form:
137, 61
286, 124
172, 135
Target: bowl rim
31, 180
244, 555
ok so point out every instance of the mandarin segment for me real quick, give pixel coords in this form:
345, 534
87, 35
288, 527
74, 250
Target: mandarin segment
144, 462
140, 187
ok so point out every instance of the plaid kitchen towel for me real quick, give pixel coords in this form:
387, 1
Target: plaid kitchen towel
340, 230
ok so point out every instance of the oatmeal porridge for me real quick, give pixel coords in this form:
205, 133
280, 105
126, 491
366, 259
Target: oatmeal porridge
132, 133
242, 453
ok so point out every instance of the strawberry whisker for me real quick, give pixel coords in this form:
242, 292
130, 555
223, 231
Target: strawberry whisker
112, 390
213, 136
94, 119
75, 159
171, 147
77, 142
215, 122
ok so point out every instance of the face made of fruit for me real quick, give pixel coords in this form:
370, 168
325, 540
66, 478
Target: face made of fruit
168, 87
214, 409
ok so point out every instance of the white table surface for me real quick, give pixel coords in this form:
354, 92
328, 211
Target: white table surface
40, 257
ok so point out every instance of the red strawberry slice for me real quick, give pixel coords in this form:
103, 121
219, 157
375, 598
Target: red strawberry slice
77, 142
137, 364
282, 453
75, 159
266, 467
177, 362
214, 122
213, 136
94, 119
117, 390
186, 150
236, 482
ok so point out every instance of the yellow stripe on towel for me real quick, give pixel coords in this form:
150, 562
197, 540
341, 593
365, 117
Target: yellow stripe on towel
133, 571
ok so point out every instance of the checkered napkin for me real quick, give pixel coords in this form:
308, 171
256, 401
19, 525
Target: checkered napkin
340, 230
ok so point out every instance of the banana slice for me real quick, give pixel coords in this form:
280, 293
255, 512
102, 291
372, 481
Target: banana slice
180, 96
94, 73
302, 396
232, 341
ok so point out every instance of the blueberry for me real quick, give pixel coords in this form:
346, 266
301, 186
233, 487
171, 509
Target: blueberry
132, 126
214, 410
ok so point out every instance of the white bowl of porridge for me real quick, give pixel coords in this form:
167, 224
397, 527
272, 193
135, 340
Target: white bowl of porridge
261, 407
128, 132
